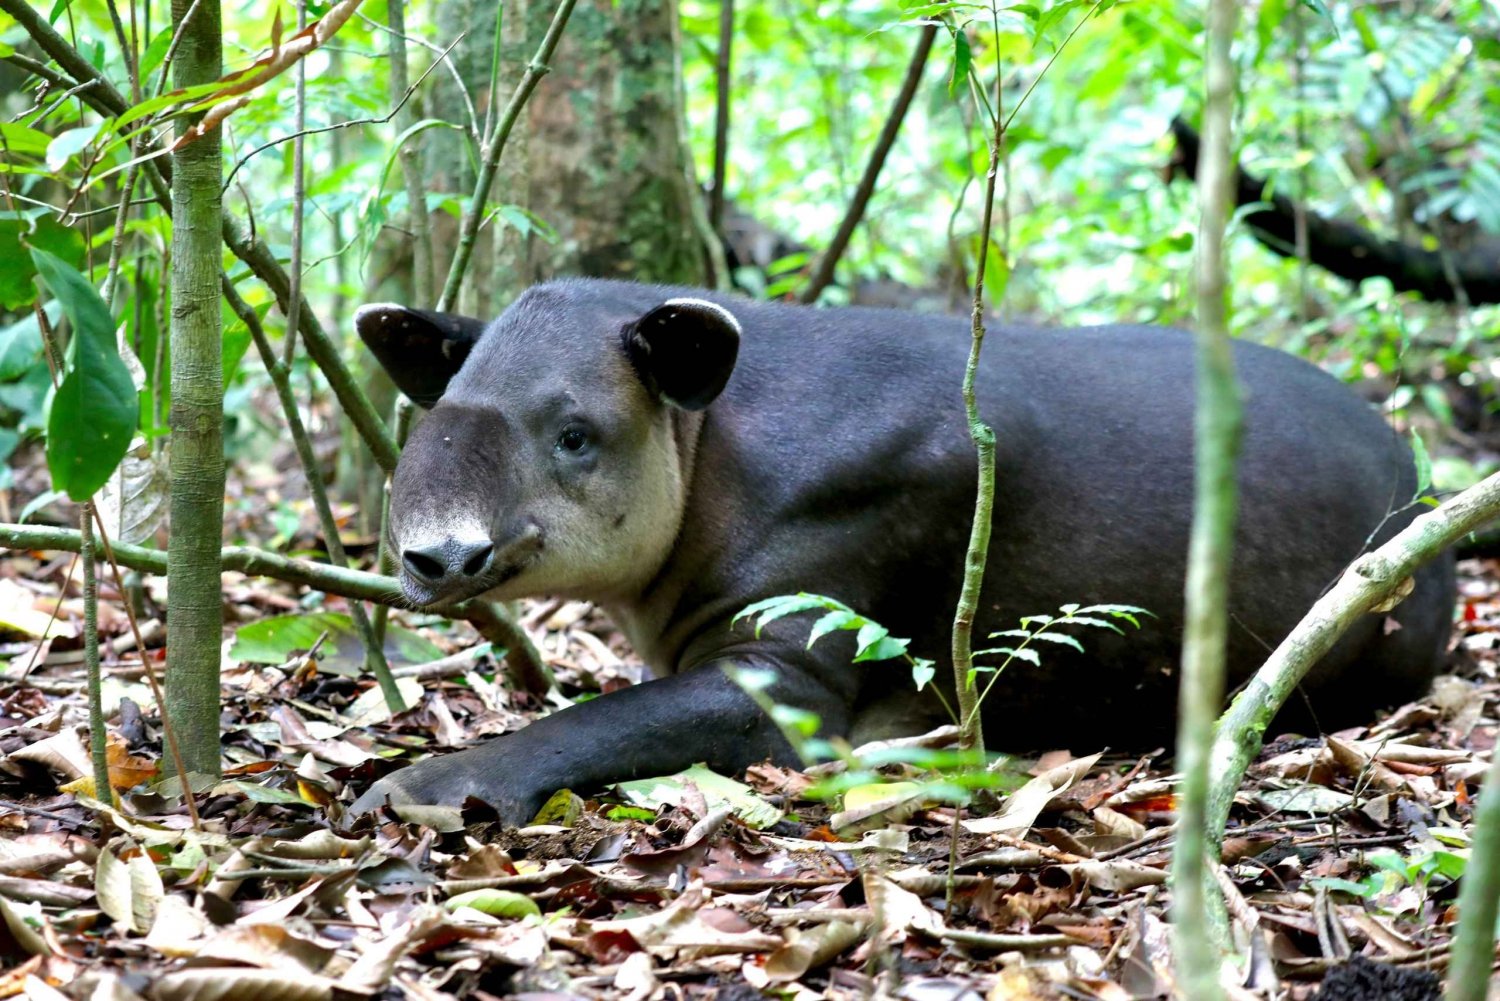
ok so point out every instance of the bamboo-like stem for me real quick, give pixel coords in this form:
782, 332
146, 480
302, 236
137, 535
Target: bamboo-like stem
98, 736
829, 259
970, 724
280, 375
1200, 928
1478, 898
493, 147
195, 614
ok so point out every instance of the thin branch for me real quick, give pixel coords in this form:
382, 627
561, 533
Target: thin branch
98, 734
725, 83
241, 559
494, 146
229, 179
823, 274
29, 16
299, 206
280, 373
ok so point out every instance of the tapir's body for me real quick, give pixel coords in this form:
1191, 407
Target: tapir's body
835, 459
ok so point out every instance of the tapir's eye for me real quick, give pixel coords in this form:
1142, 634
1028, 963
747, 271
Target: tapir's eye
573, 439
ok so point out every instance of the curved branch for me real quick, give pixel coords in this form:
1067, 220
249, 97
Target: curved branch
1348, 250
1372, 581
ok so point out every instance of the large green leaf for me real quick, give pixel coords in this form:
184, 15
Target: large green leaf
274, 640
94, 412
16, 288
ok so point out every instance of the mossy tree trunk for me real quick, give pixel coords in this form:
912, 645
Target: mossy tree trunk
194, 609
599, 155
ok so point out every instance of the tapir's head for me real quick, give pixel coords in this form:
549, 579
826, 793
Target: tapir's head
551, 461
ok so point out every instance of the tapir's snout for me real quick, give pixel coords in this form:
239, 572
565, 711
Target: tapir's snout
451, 562
449, 568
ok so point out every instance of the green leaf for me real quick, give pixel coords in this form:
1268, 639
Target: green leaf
16, 288
922, 672
497, 903
1423, 460
19, 139
886, 648
94, 411
21, 343
274, 640
832, 621
69, 144
963, 58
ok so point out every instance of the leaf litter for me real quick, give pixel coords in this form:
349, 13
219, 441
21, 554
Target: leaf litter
1339, 866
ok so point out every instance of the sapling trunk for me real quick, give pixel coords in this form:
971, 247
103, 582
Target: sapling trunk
1478, 898
194, 604
1217, 426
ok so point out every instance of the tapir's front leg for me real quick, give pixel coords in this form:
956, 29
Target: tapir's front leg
656, 728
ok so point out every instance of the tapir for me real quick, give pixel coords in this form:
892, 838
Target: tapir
675, 454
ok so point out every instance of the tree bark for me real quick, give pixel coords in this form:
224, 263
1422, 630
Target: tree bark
599, 155
194, 609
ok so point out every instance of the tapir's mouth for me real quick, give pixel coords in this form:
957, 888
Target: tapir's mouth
507, 564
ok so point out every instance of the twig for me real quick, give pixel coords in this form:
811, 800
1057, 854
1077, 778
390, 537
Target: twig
494, 146
241, 559
829, 259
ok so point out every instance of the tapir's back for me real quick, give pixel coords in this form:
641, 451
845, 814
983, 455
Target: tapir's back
841, 449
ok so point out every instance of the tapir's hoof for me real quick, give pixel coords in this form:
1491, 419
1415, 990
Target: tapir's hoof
478, 773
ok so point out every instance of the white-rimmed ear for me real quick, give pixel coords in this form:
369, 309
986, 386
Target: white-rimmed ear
421, 350
684, 350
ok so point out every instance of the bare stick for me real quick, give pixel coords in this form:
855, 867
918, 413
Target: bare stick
494, 146
823, 274
1198, 921
299, 207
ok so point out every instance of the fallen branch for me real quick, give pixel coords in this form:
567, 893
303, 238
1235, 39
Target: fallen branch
1373, 581
524, 662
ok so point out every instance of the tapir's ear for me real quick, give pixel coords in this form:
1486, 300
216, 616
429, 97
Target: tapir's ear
419, 349
684, 350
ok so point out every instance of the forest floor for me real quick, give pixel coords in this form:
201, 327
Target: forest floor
1342, 846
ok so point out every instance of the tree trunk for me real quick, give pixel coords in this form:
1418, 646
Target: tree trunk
194, 610
599, 154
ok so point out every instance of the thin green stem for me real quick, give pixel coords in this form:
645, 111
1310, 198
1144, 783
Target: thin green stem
1199, 923
281, 379
98, 735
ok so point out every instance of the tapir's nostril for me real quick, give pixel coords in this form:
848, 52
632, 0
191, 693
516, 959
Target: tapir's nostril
425, 564
478, 559
448, 561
